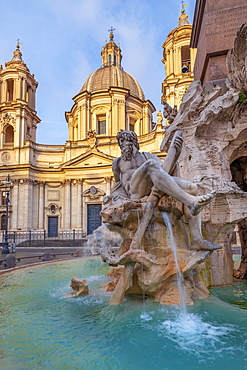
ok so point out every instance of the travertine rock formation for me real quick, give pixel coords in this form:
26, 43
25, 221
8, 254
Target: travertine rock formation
79, 288
214, 125
150, 267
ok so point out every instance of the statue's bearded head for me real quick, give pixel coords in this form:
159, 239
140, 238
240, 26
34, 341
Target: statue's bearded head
127, 140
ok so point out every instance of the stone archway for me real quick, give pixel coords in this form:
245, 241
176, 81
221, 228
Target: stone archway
239, 176
3, 222
9, 135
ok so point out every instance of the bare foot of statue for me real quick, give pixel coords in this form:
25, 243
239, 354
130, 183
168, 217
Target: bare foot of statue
204, 245
201, 201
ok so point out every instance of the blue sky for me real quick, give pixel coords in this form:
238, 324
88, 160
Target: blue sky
62, 41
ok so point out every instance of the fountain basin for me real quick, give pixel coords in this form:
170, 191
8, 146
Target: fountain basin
43, 330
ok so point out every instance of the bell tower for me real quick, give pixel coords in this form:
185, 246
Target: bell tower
18, 118
178, 59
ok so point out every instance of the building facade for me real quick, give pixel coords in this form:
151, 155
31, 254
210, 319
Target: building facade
61, 188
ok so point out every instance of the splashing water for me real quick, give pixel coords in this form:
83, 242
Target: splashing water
180, 277
191, 332
103, 241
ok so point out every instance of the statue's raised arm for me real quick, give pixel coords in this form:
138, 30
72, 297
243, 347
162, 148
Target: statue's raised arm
170, 161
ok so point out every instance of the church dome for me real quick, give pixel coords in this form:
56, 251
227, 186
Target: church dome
112, 76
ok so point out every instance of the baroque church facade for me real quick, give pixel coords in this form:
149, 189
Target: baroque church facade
61, 188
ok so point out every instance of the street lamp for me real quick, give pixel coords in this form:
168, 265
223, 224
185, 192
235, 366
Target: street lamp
5, 249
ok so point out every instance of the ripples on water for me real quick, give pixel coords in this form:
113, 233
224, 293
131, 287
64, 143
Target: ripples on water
42, 330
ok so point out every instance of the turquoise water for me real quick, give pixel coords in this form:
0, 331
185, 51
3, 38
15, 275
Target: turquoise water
40, 329
235, 294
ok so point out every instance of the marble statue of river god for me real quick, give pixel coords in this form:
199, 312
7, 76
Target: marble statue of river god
145, 187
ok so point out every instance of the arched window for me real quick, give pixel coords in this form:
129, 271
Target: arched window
238, 172
53, 208
9, 135
101, 124
185, 59
3, 198
132, 124
3, 222
29, 95
10, 89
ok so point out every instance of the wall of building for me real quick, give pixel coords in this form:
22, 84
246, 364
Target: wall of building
215, 26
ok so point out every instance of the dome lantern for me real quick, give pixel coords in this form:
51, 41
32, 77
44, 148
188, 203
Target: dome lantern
111, 53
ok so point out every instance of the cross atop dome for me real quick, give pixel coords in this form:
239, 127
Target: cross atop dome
183, 19
111, 30
183, 6
17, 53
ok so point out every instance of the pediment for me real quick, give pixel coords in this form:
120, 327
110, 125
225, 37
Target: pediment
91, 158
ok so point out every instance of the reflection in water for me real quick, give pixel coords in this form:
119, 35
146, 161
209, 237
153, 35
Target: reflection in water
235, 294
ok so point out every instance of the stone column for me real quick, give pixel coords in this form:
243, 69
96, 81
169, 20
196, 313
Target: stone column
20, 131
16, 92
35, 205
192, 58
29, 202
89, 115
173, 60
34, 98
171, 64
23, 89
15, 204
108, 185
82, 117
71, 133
75, 133
41, 205
73, 204
20, 200
145, 118
172, 98
115, 118
84, 210
4, 96
122, 113
79, 204
178, 64
167, 63
67, 205
23, 204
138, 128
20, 88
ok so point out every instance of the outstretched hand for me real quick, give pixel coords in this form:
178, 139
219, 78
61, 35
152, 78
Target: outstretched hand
178, 143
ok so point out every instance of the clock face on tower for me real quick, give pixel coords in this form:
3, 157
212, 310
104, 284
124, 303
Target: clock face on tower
5, 156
